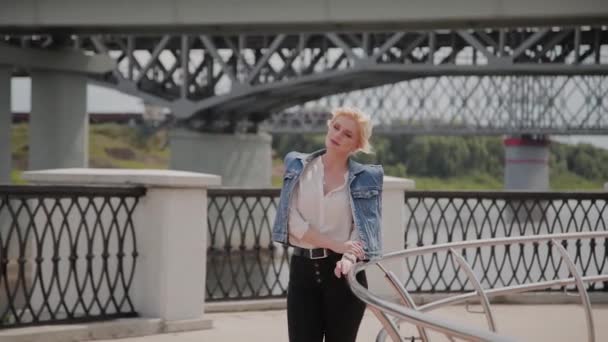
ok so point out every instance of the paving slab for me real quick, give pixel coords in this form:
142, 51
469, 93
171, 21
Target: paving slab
524, 322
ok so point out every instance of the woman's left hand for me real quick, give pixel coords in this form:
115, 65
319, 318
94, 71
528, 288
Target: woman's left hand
342, 267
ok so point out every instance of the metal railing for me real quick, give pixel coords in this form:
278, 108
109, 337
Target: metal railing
243, 263
435, 217
67, 253
242, 260
391, 314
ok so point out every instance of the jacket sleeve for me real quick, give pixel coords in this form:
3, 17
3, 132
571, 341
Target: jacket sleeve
289, 157
354, 235
297, 226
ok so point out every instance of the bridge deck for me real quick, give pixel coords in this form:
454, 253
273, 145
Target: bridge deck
213, 15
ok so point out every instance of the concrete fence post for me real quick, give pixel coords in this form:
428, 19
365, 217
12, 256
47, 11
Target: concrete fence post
393, 233
6, 118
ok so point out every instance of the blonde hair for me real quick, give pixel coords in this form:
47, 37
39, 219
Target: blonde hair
362, 120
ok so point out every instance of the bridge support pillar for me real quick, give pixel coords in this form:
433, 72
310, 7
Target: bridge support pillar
526, 163
59, 125
5, 124
527, 169
243, 160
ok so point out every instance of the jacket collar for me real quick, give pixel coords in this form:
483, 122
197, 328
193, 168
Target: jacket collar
354, 167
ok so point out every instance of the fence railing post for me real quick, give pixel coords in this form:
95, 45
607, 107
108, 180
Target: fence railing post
393, 232
171, 228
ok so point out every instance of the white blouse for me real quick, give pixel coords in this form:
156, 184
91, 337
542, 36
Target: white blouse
331, 213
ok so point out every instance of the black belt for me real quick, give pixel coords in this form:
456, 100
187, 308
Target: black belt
315, 253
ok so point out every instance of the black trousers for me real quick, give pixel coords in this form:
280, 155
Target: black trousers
321, 305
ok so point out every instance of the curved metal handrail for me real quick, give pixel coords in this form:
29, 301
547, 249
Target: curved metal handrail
420, 318
485, 302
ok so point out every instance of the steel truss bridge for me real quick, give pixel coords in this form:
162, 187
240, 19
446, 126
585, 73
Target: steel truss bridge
542, 80
467, 105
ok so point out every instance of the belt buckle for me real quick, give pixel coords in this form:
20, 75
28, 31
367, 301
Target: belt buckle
312, 257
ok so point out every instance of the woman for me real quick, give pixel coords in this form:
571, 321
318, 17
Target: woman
329, 211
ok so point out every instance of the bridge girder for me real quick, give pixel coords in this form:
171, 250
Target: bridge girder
246, 77
486, 105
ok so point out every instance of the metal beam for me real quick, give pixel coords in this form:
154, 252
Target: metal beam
153, 58
211, 48
276, 43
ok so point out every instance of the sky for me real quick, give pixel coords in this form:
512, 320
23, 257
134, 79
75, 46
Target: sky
105, 100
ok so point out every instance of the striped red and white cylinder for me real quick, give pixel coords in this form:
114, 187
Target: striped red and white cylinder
526, 163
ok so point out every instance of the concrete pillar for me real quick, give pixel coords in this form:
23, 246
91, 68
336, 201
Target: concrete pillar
5, 124
59, 125
170, 223
393, 234
527, 169
606, 186
526, 163
243, 160
5, 177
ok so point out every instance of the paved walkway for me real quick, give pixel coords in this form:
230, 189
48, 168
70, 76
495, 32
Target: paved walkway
525, 322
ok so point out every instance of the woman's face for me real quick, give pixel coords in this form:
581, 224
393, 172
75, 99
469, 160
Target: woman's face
342, 135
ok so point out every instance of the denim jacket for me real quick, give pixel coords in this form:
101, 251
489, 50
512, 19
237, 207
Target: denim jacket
365, 185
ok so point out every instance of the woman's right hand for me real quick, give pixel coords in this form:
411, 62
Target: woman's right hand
353, 247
